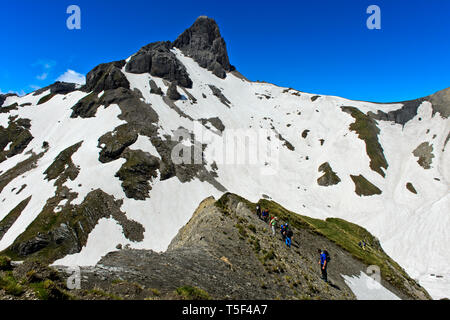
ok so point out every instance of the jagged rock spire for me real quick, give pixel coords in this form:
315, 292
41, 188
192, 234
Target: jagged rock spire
203, 42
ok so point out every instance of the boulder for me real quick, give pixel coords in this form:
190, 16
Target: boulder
155, 89
172, 92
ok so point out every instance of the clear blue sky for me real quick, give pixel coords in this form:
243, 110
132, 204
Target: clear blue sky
315, 46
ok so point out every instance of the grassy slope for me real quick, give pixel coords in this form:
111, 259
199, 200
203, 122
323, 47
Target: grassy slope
345, 234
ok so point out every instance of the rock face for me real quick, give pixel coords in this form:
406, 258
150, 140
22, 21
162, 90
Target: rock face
203, 42
106, 76
155, 89
4, 96
329, 177
172, 92
226, 251
425, 154
440, 104
17, 135
157, 59
137, 172
67, 232
57, 88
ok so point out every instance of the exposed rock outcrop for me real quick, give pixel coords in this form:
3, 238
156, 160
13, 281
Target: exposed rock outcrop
4, 96
57, 88
106, 76
16, 137
52, 236
137, 172
203, 42
157, 59
226, 252
155, 89
425, 154
440, 104
329, 177
172, 92
114, 143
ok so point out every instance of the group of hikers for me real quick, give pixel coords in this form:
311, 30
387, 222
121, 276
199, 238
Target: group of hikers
287, 233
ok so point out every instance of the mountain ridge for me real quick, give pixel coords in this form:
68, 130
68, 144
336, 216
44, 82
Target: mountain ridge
129, 128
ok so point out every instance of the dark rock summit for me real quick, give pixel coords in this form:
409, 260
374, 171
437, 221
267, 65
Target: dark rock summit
157, 59
203, 42
106, 76
57, 88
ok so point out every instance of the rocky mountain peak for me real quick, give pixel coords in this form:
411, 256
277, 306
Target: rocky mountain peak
204, 43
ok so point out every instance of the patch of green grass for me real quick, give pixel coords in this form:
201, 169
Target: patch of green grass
46, 98
256, 245
241, 229
364, 187
11, 218
192, 293
101, 293
5, 263
367, 130
49, 290
270, 255
344, 234
63, 161
155, 292
10, 285
329, 178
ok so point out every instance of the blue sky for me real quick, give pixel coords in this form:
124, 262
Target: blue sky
314, 46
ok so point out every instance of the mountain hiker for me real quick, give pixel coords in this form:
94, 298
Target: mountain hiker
258, 211
273, 224
265, 215
323, 262
289, 235
284, 229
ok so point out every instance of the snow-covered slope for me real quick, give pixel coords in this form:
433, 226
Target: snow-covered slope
290, 135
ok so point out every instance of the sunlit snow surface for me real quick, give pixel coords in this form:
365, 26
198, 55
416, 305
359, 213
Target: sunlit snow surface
413, 229
366, 288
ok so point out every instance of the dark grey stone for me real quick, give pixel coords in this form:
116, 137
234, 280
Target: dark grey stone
155, 89
57, 88
157, 59
172, 92
204, 43
106, 76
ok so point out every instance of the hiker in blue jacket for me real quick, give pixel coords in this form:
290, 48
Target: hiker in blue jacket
323, 261
284, 229
289, 235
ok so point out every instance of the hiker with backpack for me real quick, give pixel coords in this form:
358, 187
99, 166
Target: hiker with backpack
265, 215
258, 211
324, 260
289, 235
273, 224
284, 228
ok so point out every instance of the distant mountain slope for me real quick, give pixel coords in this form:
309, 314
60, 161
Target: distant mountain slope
84, 169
